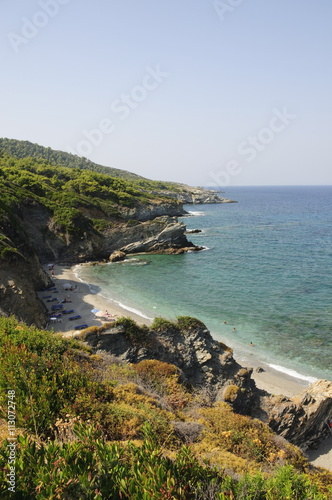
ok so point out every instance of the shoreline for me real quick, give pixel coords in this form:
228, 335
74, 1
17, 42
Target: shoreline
83, 301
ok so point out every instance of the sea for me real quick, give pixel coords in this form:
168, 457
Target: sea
263, 278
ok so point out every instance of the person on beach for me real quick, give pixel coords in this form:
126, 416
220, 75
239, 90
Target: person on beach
329, 425
251, 344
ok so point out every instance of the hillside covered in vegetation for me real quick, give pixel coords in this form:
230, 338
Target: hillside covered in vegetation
89, 426
180, 192
26, 149
68, 193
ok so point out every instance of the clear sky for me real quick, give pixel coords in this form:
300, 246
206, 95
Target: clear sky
228, 92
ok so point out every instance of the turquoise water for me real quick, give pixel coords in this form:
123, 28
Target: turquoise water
266, 271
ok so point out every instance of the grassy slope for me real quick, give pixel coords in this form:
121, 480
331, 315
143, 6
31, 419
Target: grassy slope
76, 411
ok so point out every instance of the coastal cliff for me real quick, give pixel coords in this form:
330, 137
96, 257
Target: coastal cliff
302, 420
52, 214
194, 195
20, 277
187, 344
209, 365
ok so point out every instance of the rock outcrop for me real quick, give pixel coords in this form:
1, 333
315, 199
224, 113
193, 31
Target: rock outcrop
203, 361
39, 233
117, 256
209, 364
152, 236
149, 211
302, 420
194, 195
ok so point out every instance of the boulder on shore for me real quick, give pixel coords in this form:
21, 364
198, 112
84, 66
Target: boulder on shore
117, 256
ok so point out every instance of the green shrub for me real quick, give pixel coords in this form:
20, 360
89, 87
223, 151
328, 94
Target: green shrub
186, 323
161, 324
132, 223
90, 468
135, 333
101, 224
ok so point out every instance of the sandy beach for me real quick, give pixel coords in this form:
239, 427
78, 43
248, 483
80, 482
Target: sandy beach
80, 299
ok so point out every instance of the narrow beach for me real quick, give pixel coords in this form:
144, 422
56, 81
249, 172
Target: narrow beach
82, 302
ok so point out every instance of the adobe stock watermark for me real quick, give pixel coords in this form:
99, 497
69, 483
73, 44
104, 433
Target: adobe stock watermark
252, 146
121, 107
12, 441
224, 7
31, 27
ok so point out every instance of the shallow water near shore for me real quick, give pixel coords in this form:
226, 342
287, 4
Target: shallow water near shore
266, 272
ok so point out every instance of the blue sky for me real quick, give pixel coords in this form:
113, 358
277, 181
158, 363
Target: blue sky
205, 92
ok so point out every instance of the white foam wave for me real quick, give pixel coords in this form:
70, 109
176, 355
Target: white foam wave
293, 373
131, 309
93, 289
132, 262
193, 212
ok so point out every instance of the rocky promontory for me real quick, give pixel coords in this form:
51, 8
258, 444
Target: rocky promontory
193, 195
209, 365
303, 419
204, 363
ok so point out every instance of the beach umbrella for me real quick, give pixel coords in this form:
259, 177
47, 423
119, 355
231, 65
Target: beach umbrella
66, 286
101, 313
94, 310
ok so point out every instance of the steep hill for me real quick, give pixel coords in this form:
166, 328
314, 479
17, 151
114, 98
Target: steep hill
180, 192
24, 149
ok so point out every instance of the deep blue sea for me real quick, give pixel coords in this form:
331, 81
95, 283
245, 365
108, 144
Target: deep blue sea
266, 271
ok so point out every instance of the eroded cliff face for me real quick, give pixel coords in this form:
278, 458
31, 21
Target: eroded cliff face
302, 420
209, 364
160, 234
20, 277
203, 361
144, 234
150, 211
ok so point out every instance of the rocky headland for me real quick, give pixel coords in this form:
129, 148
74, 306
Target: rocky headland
209, 365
